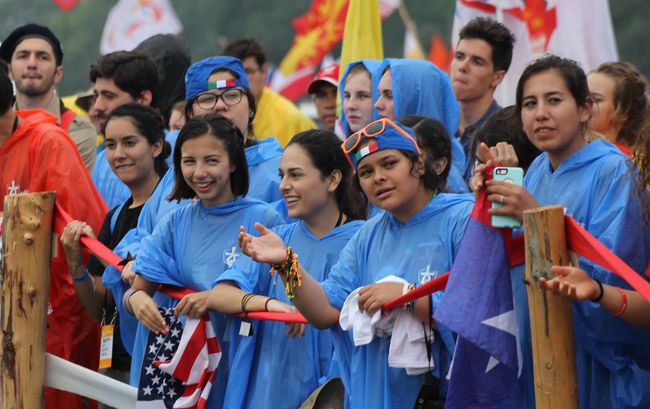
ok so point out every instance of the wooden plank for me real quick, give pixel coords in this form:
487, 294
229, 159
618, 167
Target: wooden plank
26, 246
551, 317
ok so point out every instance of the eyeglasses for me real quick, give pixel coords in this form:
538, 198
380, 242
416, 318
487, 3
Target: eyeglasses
229, 97
371, 131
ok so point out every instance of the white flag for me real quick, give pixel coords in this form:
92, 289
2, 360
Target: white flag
569, 30
412, 47
132, 21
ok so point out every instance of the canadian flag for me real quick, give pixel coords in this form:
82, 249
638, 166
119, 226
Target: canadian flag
578, 29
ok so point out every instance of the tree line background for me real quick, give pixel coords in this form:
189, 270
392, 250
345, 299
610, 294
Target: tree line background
209, 25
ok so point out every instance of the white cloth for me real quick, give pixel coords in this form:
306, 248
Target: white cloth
407, 344
66, 376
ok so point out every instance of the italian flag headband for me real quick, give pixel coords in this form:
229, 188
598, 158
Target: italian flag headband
365, 151
221, 84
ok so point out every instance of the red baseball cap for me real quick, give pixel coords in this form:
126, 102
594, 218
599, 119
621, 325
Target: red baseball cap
329, 74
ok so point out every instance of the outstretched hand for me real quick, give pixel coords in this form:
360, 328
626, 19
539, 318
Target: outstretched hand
572, 283
267, 248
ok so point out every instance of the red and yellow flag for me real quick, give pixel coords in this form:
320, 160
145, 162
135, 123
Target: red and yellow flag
317, 32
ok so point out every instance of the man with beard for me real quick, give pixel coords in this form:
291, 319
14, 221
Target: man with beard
119, 78
34, 55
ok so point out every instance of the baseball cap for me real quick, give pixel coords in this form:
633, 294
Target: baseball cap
329, 75
196, 77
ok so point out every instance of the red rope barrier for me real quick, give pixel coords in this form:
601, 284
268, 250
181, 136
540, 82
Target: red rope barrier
288, 317
578, 239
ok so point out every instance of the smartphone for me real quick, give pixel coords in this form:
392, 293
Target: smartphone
510, 175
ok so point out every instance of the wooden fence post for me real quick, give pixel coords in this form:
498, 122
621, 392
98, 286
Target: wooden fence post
551, 319
25, 281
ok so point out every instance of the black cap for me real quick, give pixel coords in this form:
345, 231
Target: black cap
30, 30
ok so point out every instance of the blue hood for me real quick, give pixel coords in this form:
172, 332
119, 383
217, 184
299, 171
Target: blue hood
421, 88
375, 75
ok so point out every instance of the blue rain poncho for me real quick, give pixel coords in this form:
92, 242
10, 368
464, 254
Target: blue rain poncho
419, 250
421, 88
597, 187
277, 370
375, 75
263, 162
190, 248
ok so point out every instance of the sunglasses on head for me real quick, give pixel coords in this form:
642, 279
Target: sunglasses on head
371, 131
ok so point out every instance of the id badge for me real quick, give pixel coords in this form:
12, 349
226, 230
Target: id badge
246, 329
106, 346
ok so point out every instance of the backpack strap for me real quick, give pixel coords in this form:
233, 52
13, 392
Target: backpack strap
116, 214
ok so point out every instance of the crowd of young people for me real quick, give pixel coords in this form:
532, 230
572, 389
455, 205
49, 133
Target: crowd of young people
348, 221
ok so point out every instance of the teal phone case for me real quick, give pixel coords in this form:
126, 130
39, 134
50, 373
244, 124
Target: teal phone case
512, 175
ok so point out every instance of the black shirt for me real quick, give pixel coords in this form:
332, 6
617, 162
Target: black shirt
126, 220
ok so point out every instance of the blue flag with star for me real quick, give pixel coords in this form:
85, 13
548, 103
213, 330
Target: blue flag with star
478, 306
158, 389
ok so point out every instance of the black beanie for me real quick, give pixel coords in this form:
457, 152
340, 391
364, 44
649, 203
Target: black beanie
30, 30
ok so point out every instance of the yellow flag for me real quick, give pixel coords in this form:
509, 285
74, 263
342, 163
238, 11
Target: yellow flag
362, 35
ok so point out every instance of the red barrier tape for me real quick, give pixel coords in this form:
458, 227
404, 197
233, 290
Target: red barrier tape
288, 317
430, 287
62, 218
583, 243
578, 240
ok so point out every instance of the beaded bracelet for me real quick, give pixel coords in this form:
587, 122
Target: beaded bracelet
291, 272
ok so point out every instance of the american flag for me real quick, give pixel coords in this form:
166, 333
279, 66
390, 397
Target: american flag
179, 367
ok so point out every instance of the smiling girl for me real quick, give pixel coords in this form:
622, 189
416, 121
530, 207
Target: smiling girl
136, 152
194, 244
415, 238
316, 181
595, 184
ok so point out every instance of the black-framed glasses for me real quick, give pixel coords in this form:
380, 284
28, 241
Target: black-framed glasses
229, 97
